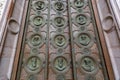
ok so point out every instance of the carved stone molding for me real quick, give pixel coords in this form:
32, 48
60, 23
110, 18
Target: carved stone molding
3, 21
109, 27
108, 23
13, 26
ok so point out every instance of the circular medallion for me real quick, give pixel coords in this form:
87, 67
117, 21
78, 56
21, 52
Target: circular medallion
88, 64
79, 3
59, 21
60, 40
60, 50
39, 5
59, 6
38, 20
90, 77
32, 77
81, 19
33, 64
36, 40
86, 51
34, 51
60, 64
84, 39
60, 77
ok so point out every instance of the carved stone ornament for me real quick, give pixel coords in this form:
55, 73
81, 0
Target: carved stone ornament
108, 23
33, 64
13, 26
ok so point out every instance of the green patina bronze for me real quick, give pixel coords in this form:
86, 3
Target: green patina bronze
59, 21
60, 63
60, 40
32, 77
90, 77
79, 3
60, 77
39, 5
33, 63
84, 39
81, 19
66, 28
88, 64
38, 20
59, 6
36, 40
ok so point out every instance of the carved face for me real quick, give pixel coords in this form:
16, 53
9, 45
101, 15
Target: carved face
88, 64
59, 21
60, 63
84, 39
60, 40
38, 20
33, 63
36, 40
59, 6
79, 3
39, 5
81, 19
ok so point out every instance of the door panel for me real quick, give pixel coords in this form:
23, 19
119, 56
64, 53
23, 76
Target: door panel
61, 42
60, 67
87, 53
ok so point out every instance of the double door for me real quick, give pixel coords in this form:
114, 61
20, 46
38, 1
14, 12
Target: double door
61, 42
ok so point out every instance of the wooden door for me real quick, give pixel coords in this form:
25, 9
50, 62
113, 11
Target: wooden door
61, 42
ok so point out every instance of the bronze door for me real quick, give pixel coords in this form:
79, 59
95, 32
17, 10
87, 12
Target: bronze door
61, 42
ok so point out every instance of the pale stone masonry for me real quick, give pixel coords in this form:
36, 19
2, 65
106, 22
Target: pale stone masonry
2, 7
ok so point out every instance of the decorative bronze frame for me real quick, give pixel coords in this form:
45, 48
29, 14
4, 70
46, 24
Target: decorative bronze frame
101, 36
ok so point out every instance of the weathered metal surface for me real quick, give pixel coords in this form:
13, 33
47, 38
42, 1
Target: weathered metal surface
61, 42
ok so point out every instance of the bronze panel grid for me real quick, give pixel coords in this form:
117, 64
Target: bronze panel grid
61, 42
